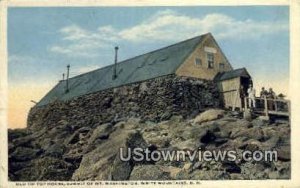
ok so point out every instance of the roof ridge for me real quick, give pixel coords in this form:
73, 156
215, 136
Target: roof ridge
123, 61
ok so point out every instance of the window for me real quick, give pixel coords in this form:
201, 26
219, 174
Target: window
198, 62
210, 60
222, 66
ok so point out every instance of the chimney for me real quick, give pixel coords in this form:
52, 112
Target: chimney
114, 76
67, 80
33, 101
63, 76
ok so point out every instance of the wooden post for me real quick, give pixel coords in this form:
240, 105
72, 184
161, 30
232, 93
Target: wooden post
289, 111
266, 106
235, 99
245, 104
247, 114
275, 104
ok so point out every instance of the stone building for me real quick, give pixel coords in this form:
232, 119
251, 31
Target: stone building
177, 79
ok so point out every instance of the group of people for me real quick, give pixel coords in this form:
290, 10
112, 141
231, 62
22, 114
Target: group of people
263, 93
269, 94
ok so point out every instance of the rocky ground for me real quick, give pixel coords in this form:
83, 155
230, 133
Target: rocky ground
69, 152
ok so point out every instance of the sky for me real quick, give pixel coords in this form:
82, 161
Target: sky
42, 41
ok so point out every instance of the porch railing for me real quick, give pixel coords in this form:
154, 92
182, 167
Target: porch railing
268, 106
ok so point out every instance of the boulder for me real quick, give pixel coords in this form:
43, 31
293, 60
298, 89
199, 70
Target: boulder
103, 163
186, 145
251, 145
270, 143
101, 132
283, 168
148, 172
24, 154
259, 122
187, 166
47, 168
209, 175
158, 140
251, 133
26, 141
120, 170
77, 136
209, 115
55, 150
284, 153
173, 172
17, 133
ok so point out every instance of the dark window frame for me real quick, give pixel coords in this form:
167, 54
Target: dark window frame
198, 61
210, 60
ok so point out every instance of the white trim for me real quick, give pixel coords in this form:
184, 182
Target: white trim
210, 49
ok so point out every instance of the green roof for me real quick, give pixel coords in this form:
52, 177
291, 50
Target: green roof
151, 65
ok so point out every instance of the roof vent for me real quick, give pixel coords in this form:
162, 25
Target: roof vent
114, 76
67, 80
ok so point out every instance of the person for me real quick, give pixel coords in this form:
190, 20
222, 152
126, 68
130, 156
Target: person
242, 95
263, 92
251, 96
271, 95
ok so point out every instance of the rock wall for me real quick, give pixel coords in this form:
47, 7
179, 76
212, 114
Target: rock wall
155, 100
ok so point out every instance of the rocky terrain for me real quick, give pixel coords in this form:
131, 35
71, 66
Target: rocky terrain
71, 151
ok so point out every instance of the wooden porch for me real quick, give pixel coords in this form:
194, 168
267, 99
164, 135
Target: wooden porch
267, 107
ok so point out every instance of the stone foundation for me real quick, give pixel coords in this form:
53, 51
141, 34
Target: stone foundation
154, 100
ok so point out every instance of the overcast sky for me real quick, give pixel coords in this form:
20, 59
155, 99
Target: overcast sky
42, 41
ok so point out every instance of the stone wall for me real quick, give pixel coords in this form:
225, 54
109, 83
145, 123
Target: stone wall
153, 100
